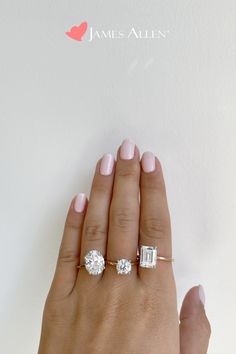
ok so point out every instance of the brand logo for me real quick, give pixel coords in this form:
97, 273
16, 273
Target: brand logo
77, 33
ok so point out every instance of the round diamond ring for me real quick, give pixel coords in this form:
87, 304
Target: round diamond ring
123, 266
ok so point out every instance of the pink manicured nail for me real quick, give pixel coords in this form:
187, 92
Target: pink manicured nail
80, 202
148, 162
127, 149
107, 164
201, 294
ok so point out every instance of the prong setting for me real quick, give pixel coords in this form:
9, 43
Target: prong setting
123, 266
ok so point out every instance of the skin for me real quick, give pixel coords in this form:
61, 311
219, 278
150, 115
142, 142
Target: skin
120, 314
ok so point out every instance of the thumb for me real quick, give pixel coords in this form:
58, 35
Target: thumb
195, 329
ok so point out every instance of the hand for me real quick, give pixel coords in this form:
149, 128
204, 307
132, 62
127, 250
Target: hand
120, 314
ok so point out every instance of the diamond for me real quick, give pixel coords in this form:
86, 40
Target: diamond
148, 257
94, 262
123, 266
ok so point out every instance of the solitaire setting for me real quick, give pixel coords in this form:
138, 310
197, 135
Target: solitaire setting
123, 266
148, 257
94, 262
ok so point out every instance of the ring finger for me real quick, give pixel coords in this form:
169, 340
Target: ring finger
155, 227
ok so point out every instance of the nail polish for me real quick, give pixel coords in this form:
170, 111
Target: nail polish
148, 162
127, 150
80, 202
107, 164
201, 294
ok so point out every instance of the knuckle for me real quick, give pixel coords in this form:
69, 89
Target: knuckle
155, 228
53, 315
123, 218
117, 300
147, 304
94, 232
73, 223
56, 313
100, 188
68, 256
128, 172
154, 185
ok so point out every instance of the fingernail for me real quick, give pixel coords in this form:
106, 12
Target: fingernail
127, 149
80, 202
107, 164
148, 162
201, 294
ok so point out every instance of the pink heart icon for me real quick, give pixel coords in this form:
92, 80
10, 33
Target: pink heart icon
77, 32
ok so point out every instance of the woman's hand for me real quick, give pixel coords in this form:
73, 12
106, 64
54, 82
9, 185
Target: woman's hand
112, 313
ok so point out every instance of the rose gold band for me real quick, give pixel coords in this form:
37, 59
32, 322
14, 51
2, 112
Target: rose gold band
160, 258
80, 265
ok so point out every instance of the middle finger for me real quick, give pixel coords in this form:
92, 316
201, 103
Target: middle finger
124, 209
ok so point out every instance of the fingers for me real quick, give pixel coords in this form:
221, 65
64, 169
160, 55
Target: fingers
68, 258
195, 328
155, 228
111, 224
124, 209
95, 229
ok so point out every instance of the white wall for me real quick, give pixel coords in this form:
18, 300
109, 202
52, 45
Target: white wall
64, 103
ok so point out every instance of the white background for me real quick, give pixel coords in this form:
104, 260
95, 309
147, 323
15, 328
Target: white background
64, 103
